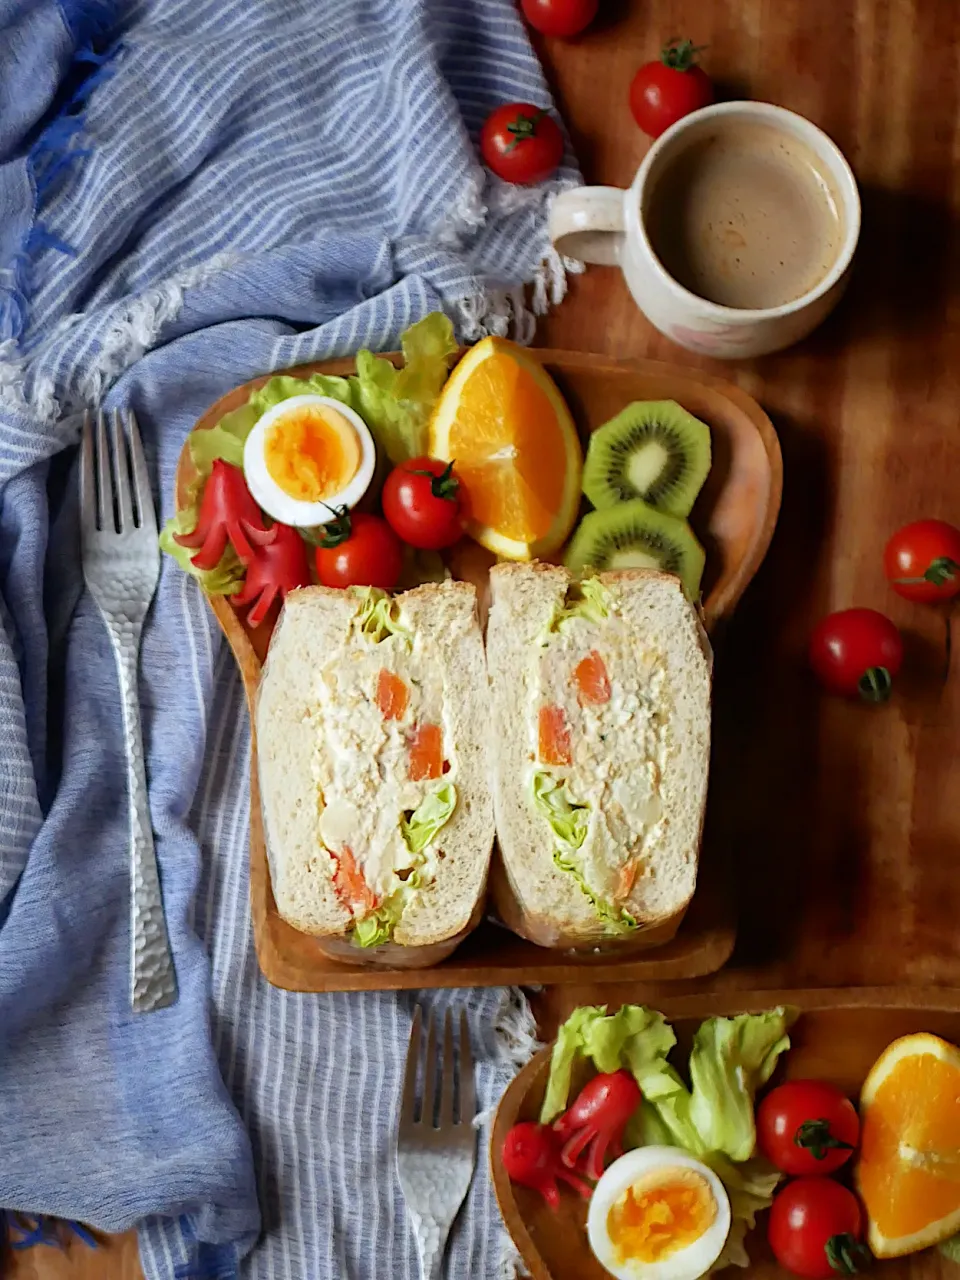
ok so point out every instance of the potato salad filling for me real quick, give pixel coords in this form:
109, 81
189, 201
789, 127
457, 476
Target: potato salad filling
598, 743
386, 776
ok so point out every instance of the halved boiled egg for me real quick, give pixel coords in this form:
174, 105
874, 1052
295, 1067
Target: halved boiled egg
306, 455
658, 1214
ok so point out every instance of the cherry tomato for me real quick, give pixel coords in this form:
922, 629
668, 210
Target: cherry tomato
816, 1228
560, 17
922, 561
358, 550
421, 503
665, 91
856, 652
807, 1127
521, 143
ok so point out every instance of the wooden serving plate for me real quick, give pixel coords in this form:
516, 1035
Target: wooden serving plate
734, 517
838, 1037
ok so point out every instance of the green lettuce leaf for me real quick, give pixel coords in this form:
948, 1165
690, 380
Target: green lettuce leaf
224, 580
396, 403
588, 599
568, 820
731, 1059
283, 387
951, 1248
634, 1037
377, 928
750, 1187
433, 812
615, 919
379, 616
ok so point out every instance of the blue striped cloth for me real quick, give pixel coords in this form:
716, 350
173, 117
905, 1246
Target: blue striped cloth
193, 192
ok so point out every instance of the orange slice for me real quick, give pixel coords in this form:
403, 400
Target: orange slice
908, 1173
503, 422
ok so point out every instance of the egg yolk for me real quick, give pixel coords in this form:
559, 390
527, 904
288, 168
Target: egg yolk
661, 1214
312, 453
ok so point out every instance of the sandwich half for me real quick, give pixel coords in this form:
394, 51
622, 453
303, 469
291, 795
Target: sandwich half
372, 724
601, 715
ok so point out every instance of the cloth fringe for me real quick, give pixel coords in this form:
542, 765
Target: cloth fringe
53, 155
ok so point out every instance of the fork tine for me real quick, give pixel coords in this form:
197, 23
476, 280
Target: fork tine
448, 1074
408, 1100
146, 514
88, 484
468, 1098
122, 473
430, 1073
105, 515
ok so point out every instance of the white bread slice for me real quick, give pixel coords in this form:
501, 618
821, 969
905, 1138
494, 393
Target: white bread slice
317, 632
532, 895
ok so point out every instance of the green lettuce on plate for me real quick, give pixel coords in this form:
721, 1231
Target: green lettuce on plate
713, 1119
223, 580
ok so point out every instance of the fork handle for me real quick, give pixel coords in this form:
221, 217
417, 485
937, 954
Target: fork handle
431, 1242
153, 983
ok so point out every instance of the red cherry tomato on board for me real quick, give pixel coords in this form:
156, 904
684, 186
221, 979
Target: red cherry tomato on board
359, 551
421, 503
665, 91
816, 1228
560, 17
922, 561
521, 143
856, 652
807, 1127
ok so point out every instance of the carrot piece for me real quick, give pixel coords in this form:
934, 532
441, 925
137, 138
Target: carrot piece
426, 752
352, 890
593, 683
554, 737
392, 695
628, 876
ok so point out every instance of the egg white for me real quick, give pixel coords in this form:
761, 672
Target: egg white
280, 505
686, 1264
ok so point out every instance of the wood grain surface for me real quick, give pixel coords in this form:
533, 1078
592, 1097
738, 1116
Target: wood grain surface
734, 518
837, 1037
845, 820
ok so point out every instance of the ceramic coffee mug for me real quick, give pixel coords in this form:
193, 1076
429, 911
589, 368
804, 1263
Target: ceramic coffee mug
606, 225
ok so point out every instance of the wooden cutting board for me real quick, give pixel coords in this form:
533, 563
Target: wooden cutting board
734, 517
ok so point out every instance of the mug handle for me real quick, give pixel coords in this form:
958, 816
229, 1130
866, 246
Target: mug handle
588, 223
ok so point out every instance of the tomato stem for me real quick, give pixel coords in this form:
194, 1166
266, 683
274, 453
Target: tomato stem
444, 485
875, 684
815, 1136
337, 530
523, 128
846, 1254
940, 572
680, 55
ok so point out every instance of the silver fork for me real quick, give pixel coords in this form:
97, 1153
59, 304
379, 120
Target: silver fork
435, 1162
121, 564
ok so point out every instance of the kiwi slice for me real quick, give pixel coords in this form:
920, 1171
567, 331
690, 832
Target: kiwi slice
635, 536
652, 450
